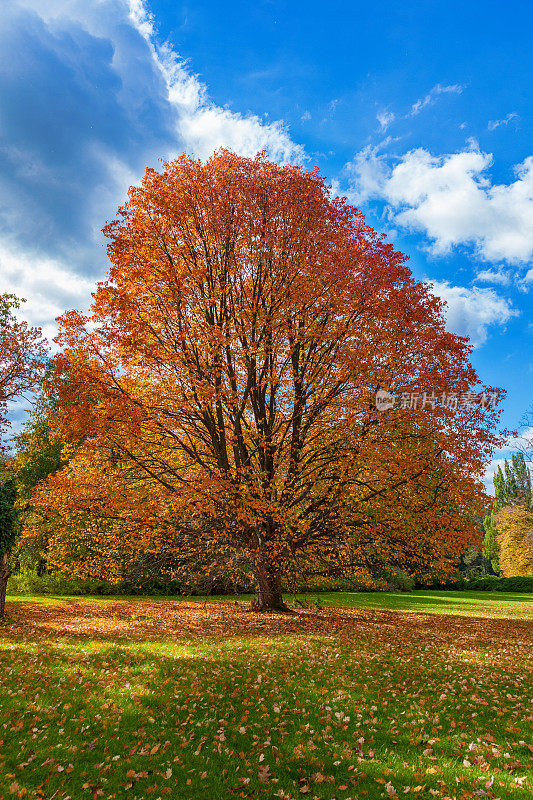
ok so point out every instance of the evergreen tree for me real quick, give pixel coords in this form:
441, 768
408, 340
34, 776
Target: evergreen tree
522, 478
513, 484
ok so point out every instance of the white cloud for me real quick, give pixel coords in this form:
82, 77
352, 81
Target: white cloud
451, 200
528, 278
70, 150
470, 312
497, 123
493, 276
202, 125
47, 286
368, 173
433, 95
385, 118
522, 441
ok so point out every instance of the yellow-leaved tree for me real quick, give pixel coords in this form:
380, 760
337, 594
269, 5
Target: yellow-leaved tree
515, 538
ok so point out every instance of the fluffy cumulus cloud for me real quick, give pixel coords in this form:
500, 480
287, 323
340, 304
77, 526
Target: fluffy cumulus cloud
202, 125
74, 127
88, 99
47, 285
451, 199
471, 312
368, 174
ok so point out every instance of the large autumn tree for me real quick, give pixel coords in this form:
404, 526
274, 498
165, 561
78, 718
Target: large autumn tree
223, 388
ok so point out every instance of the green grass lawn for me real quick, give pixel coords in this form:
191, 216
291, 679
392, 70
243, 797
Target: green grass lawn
479, 604
425, 694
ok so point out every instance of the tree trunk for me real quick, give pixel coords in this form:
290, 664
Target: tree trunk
4, 577
269, 593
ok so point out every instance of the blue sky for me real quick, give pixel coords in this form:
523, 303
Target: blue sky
419, 112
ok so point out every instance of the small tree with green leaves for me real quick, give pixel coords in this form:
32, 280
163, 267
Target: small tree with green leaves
38, 454
490, 544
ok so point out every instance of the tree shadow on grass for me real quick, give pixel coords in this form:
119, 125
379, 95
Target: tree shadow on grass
187, 713
191, 623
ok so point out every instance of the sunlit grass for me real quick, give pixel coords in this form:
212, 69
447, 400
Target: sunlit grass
509, 605
136, 698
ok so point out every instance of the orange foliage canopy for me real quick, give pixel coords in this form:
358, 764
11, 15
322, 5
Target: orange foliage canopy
223, 388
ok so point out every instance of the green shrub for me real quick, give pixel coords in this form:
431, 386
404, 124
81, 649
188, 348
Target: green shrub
518, 583
486, 583
57, 583
399, 580
29, 582
452, 582
305, 584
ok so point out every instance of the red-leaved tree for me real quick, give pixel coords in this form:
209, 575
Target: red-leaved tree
22, 358
221, 394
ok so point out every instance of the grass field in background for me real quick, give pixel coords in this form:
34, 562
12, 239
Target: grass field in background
426, 694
